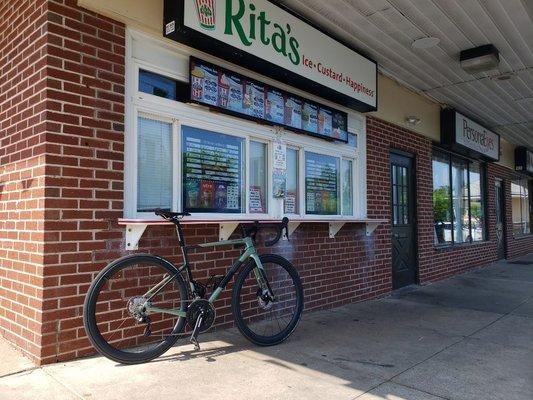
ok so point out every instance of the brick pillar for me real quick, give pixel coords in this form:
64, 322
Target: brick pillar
22, 158
84, 165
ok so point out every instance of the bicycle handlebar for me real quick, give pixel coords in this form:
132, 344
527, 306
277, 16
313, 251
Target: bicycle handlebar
251, 230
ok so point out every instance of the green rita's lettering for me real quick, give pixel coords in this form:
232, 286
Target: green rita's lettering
279, 38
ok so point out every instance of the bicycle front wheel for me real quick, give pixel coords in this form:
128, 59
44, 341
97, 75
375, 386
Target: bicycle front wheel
262, 320
115, 316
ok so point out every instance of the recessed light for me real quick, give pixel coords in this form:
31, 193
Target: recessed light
502, 77
425, 43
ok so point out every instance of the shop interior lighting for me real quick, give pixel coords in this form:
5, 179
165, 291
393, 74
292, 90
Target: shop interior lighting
480, 59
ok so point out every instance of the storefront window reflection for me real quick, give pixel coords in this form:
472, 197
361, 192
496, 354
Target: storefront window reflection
321, 184
290, 204
477, 212
458, 204
347, 187
460, 201
520, 202
258, 178
212, 171
154, 160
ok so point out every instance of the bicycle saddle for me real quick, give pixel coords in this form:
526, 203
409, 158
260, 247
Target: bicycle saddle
171, 215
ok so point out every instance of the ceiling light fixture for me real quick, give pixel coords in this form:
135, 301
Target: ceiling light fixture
480, 59
425, 43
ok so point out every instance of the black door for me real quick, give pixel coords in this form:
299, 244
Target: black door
404, 249
500, 219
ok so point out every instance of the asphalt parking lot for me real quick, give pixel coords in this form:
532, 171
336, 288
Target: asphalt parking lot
468, 337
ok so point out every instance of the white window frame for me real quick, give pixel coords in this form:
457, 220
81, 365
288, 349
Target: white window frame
157, 56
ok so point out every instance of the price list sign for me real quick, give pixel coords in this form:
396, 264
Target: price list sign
212, 171
321, 184
235, 94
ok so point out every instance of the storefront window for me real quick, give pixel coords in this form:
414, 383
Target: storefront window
442, 220
458, 205
290, 204
521, 207
212, 171
154, 160
347, 187
258, 178
321, 184
158, 85
460, 201
477, 213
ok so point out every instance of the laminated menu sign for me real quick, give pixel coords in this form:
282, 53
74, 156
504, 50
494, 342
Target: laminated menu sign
204, 84
340, 130
293, 112
256, 200
275, 107
238, 95
325, 122
254, 100
279, 169
212, 172
290, 203
235, 93
321, 184
310, 118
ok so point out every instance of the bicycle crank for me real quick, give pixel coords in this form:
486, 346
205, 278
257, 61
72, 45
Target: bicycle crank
200, 316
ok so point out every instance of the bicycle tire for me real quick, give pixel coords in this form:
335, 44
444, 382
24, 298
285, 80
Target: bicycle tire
240, 322
89, 310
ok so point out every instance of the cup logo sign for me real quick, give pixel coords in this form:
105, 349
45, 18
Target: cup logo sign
205, 10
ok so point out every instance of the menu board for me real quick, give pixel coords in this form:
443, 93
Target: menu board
233, 93
321, 184
211, 171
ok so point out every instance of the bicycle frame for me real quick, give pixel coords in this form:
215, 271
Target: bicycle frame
249, 252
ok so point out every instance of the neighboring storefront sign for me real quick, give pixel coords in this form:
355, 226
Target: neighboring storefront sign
523, 160
271, 40
239, 95
466, 136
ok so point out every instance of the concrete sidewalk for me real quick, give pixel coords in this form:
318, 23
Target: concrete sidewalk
469, 337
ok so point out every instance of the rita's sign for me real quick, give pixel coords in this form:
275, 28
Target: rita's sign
523, 160
272, 41
465, 136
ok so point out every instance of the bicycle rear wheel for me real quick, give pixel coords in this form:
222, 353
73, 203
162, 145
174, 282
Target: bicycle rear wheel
113, 314
261, 321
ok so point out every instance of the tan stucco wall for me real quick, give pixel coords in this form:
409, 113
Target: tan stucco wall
396, 103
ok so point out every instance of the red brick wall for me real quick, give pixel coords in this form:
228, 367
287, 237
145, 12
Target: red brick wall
435, 263
84, 165
22, 136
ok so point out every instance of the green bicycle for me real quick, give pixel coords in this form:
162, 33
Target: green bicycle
139, 305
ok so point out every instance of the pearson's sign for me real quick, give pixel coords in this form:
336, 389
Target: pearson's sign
270, 40
466, 136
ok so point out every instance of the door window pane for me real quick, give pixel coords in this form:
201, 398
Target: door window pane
460, 201
321, 184
290, 204
347, 187
154, 164
212, 171
442, 220
477, 212
258, 178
